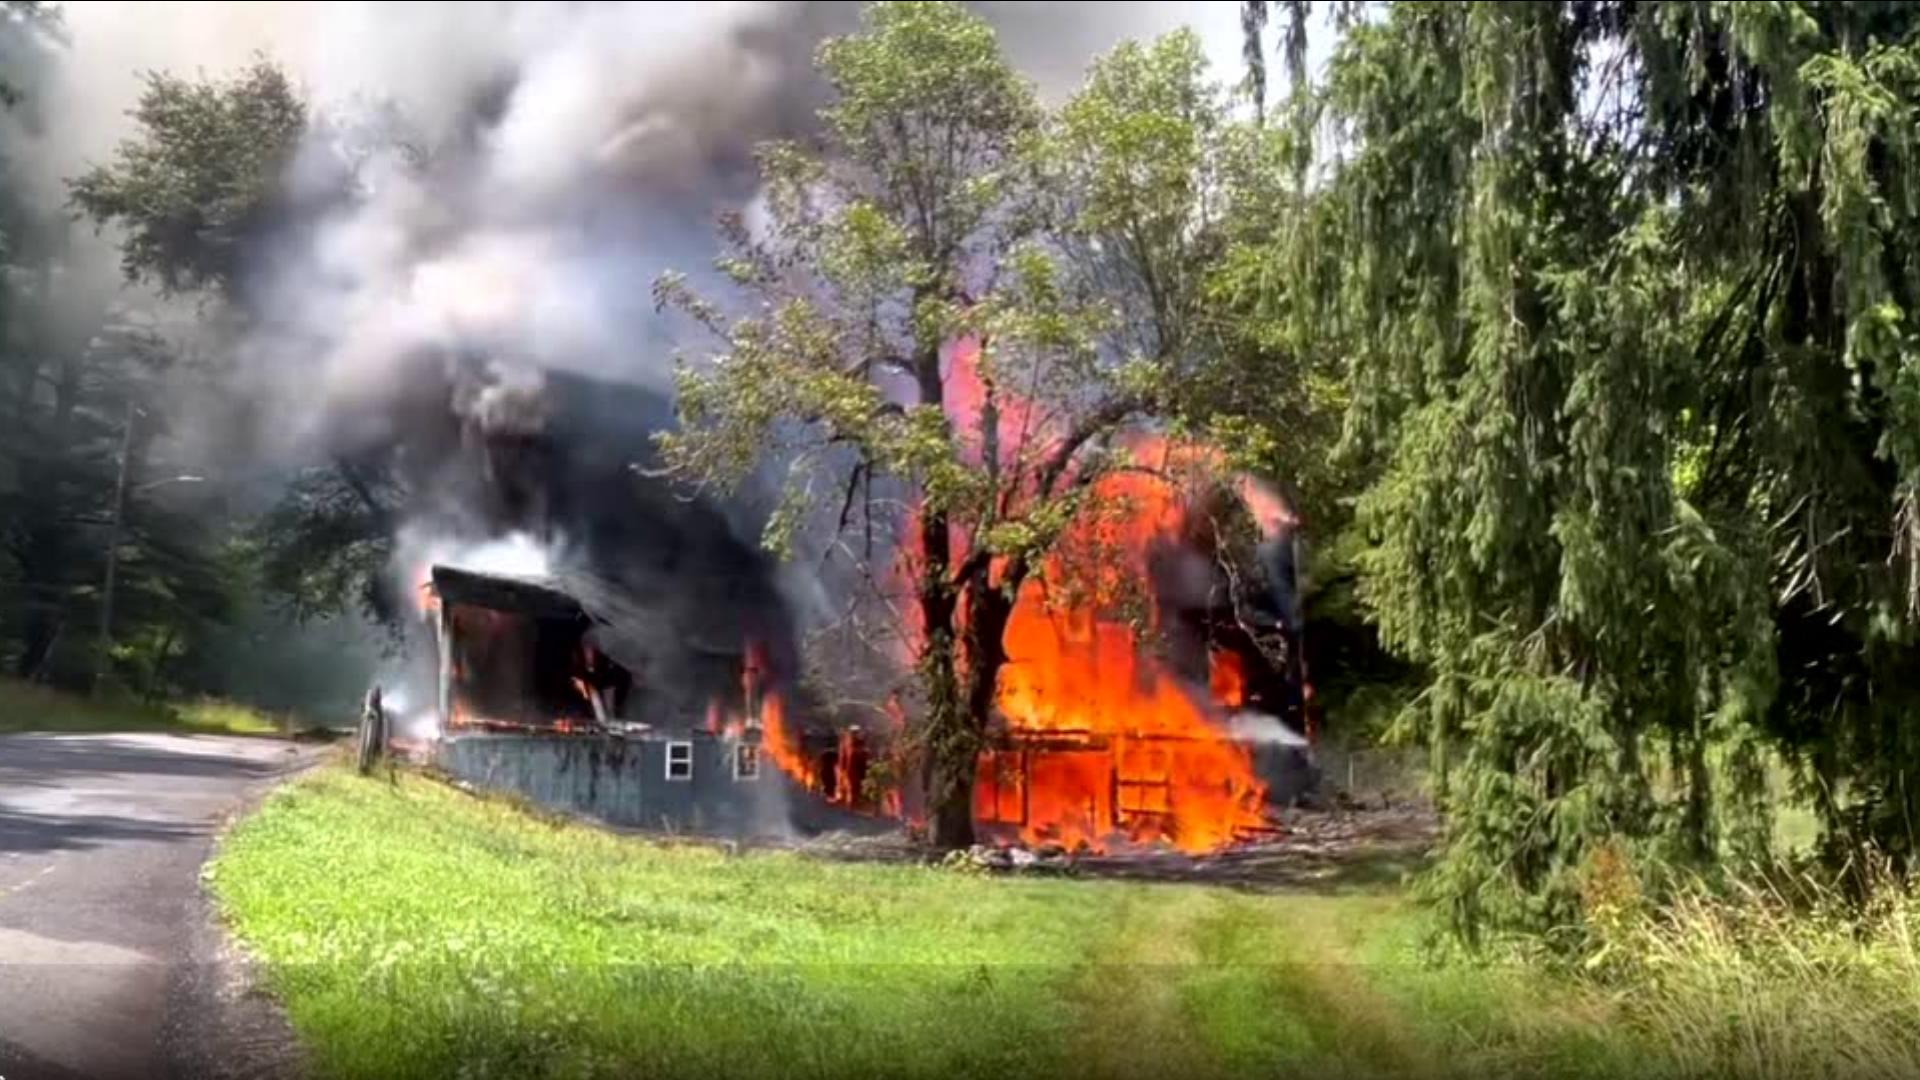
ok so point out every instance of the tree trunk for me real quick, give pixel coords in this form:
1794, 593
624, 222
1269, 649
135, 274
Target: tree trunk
988, 611
953, 806
49, 544
962, 689
952, 751
151, 692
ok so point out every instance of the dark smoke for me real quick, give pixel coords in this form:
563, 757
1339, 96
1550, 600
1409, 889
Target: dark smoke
565, 461
502, 182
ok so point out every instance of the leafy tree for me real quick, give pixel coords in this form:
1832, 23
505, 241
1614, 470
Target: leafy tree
201, 182
1624, 291
196, 193
944, 223
327, 542
48, 457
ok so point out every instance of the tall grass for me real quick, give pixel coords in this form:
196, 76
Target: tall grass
1796, 977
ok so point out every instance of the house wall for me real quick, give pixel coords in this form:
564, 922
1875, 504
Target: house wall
622, 780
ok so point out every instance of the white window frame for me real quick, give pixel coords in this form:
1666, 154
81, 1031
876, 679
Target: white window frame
743, 753
683, 750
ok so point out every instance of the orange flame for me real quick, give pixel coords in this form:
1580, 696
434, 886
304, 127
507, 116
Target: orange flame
782, 743
892, 799
1130, 749
1227, 678
779, 739
1104, 740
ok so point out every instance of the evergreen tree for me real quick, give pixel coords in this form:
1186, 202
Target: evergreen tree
80, 410
1624, 292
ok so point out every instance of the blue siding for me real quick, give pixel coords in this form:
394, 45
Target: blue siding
623, 781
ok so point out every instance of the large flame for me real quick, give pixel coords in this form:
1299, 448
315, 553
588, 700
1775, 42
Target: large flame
1116, 743
1104, 740
782, 743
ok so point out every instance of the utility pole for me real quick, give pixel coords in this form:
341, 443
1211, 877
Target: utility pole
116, 522
118, 513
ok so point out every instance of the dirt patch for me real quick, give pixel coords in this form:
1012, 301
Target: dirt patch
1329, 849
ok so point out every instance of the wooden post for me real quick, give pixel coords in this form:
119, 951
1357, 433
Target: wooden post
373, 731
1026, 785
443, 634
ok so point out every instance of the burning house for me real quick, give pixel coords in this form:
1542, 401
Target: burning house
1097, 740
1191, 730
644, 678
536, 694
619, 666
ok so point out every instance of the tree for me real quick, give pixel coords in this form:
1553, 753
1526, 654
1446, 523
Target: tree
200, 186
79, 373
1624, 291
198, 193
928, 313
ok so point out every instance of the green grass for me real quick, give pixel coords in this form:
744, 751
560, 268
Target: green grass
25, 707
415, 931
412, 930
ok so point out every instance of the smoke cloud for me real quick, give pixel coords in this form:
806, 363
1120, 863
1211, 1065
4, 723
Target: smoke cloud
516, 176
573, 152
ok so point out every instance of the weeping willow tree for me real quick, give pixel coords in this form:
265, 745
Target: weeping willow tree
1624, 296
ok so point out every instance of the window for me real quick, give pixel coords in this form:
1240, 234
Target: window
679, 761
746, 762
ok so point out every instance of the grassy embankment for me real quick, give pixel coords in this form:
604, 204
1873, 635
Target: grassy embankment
416, 931
25, 707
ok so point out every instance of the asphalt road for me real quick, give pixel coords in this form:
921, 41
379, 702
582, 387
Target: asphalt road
110, 965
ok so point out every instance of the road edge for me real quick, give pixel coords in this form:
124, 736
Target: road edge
223, 1022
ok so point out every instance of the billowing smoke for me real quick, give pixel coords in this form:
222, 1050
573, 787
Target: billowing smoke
477, 220
525, 226
518, 172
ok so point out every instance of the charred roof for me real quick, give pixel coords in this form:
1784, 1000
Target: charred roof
503, 592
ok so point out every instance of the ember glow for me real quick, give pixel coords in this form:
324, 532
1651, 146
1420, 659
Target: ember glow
1227, 678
